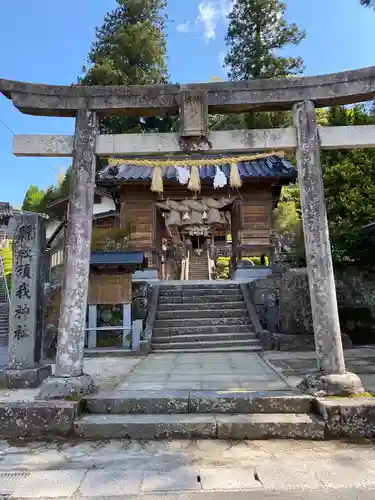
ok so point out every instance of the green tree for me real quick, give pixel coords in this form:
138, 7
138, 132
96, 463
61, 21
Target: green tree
37, 200
349, 181
368, 3
257, 31
287, 223
64, 187
130, 49
33, 199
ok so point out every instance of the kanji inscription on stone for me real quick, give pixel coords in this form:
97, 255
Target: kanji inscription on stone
25, 322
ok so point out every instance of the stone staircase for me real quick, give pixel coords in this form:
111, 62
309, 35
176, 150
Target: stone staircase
198, 267
195, 415
203, 317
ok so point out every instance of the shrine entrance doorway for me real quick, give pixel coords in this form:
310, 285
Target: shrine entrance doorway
191, 226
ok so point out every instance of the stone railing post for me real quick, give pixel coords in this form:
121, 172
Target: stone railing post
69, 378
332, 377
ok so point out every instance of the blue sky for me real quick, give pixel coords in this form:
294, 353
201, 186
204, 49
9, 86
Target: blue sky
47, 41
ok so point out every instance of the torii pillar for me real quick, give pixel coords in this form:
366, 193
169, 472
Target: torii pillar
69, 379
332, 377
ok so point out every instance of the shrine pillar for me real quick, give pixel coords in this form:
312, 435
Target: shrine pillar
69, 378
332, 377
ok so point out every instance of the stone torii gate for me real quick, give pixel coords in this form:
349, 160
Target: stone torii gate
193, 103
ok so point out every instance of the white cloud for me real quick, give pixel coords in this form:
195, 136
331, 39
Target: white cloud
210, 14
185, 27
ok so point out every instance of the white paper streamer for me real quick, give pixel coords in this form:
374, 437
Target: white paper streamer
183, 174
220, 179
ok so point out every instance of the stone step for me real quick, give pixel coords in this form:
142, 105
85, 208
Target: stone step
207, 344
210, 350
202, 313
228, 337
196, 322
227, 284
176, 402
199, 299
208, 329
190, 426
193, 292
4, 338
198, 306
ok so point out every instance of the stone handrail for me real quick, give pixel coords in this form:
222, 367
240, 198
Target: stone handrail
210, 263
222, 97
187, 264
183, 266
251, 310
150, 320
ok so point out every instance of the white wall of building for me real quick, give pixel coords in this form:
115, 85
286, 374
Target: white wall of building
106, 205
57, 257
51, 227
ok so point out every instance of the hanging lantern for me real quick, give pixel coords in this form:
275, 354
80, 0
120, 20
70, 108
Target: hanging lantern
204, 216
186, 216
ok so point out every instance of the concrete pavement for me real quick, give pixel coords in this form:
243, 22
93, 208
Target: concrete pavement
189, 470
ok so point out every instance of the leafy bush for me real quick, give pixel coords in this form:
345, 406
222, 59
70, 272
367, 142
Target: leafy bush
6, 257
224, 261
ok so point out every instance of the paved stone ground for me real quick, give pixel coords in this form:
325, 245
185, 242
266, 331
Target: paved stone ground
209, 371
107, 373
292, 366
117, 468
203, 371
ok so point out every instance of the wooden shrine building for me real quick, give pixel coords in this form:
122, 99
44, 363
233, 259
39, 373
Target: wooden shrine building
182, 231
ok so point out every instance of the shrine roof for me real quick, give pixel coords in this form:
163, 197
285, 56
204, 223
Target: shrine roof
269, 167
128, 259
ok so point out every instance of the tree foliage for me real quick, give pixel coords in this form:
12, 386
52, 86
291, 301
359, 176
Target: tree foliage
33, 199
287, 224
368, 3
36, 200
257, 31
130, 49
349, 180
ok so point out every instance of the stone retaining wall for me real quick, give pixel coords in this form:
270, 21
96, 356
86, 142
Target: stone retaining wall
282, 302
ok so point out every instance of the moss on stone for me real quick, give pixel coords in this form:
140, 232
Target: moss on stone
361, 395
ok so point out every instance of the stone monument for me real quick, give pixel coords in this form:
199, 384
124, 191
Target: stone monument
26, 313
